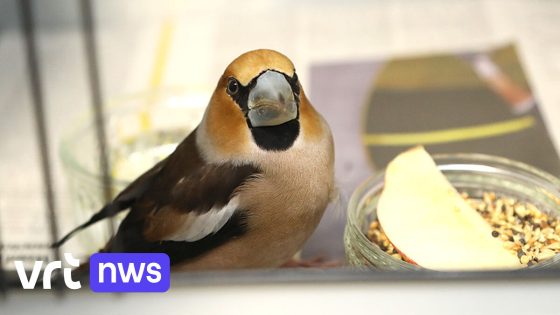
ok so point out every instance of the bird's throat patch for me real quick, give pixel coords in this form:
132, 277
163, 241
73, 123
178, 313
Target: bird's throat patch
276, 138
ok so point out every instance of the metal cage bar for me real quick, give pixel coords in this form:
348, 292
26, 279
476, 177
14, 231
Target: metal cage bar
3, 276
27, 24
34, 77
96, 99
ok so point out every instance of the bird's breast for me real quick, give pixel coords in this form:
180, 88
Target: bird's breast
286, 203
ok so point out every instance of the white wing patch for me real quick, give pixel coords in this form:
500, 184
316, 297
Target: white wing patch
206, 223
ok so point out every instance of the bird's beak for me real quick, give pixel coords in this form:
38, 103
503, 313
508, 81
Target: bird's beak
271, 101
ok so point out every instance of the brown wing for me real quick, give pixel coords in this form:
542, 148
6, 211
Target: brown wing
186, 209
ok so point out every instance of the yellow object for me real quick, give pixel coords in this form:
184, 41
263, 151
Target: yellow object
450, 135
427, 220
157, 73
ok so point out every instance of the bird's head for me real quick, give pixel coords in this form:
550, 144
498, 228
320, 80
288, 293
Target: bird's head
258, 100
262, 84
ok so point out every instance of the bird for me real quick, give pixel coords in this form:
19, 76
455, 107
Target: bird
246, 188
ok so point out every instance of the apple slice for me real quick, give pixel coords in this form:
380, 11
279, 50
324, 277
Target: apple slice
427, 220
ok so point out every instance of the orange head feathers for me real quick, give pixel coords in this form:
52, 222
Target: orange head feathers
258, 100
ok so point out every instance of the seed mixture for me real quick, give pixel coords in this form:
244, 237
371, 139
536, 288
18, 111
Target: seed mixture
526, 231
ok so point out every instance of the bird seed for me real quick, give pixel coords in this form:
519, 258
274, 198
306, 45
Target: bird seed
532, 235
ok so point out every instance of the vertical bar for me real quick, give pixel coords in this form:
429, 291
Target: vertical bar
3, 278
88, 29
28, 27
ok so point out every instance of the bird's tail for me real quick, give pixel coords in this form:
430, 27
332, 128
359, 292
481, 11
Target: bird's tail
107, 211
123, 201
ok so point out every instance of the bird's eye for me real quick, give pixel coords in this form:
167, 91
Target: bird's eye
232, 86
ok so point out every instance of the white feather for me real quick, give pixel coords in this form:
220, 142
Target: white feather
206, 223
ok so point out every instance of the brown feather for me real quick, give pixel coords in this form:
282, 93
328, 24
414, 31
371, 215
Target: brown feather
186, 187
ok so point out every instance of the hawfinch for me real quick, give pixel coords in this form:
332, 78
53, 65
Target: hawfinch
246, 188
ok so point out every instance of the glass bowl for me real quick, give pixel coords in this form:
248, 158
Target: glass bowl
470, 173
141, 129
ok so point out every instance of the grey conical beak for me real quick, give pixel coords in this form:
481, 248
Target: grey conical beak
271, 101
